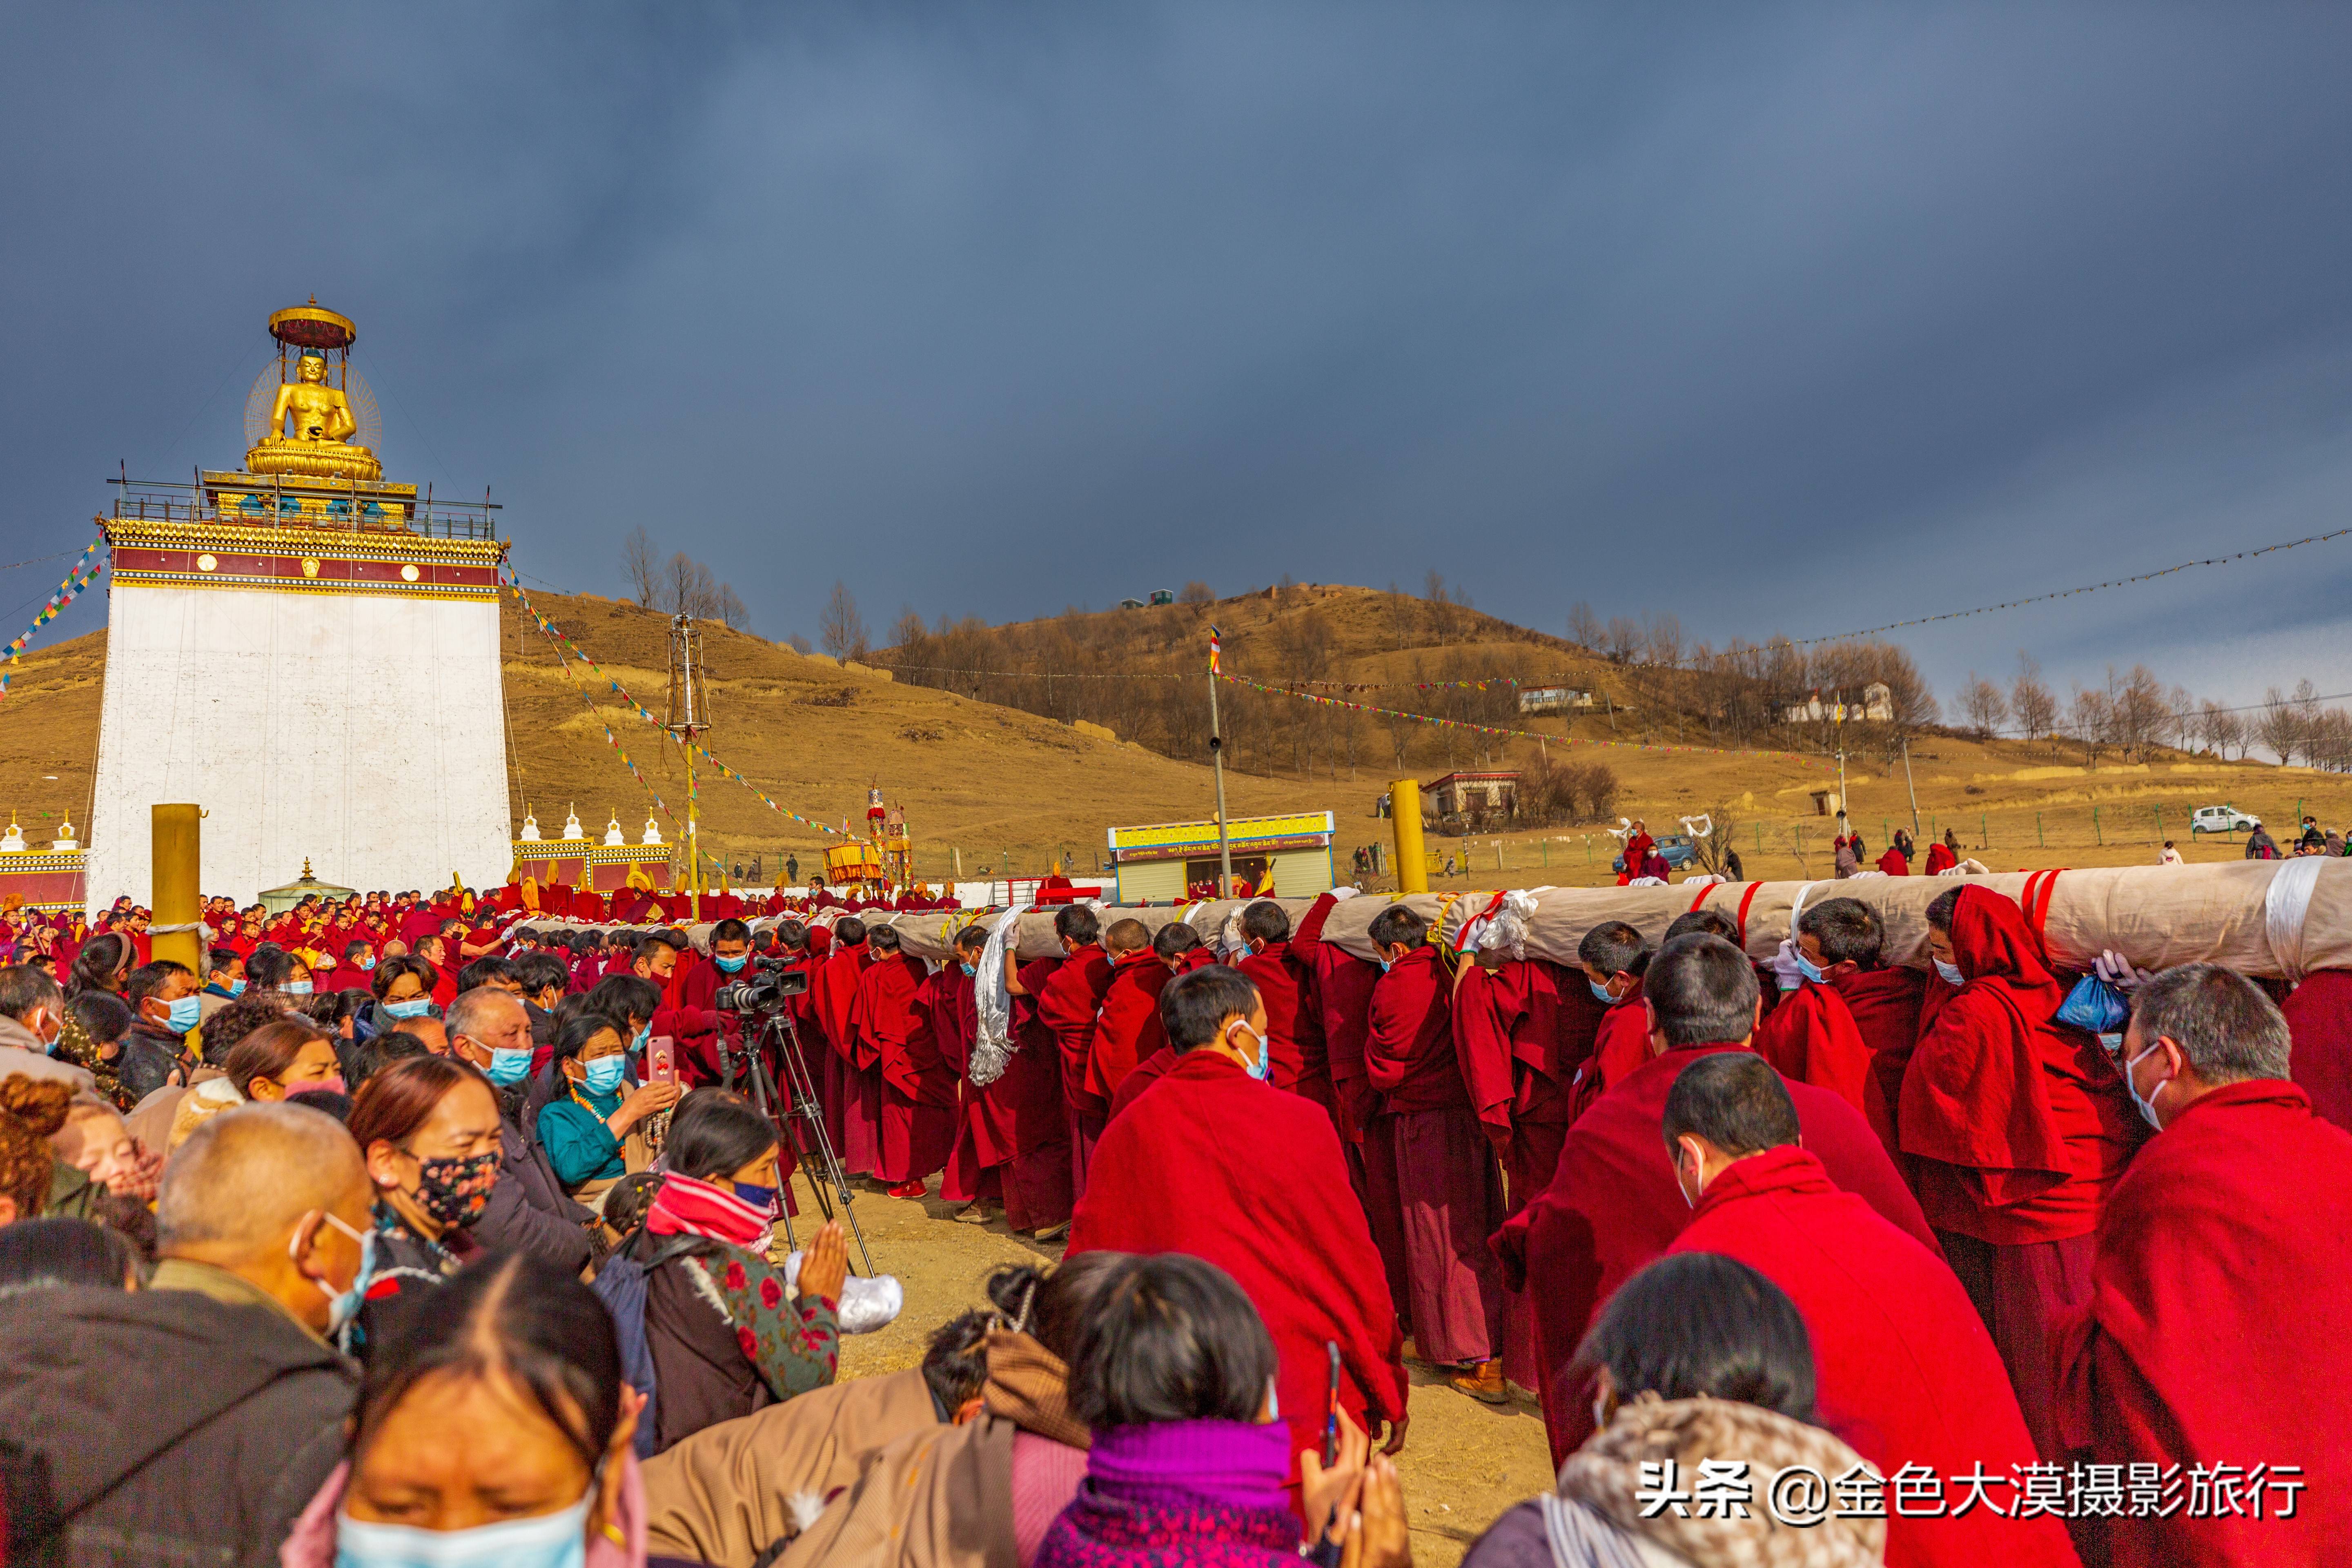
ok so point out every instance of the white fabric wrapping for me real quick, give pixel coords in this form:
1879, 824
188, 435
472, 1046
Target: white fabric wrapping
2285, 906
993, 1048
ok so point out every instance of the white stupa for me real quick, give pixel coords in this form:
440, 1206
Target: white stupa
529, 828
15, 840
612, 834
572, 828
653, 832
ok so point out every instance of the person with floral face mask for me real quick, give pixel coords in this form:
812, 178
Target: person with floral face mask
428, 1127
494, 1431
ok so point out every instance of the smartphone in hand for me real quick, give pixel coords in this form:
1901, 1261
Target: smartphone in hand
661, 1059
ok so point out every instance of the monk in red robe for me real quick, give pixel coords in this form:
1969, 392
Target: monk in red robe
918, 1124
2018, 1126
1069, 1006
1902, 1368
1811, 1036
1895, 863
1449, 1190
1613, 1206
2212, 1346
1040, 1175
1614, 957
1178, 949
1342, 988
1844, 942
2319, 1013
974, 1176
1128, 1030
1942, 855
1522, 1027
1219, 1164
2209, 1353
1301, 1064
854, 1096
699, 1056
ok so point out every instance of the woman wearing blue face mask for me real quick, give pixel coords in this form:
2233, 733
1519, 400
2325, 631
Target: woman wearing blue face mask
589, 1134
494, 1429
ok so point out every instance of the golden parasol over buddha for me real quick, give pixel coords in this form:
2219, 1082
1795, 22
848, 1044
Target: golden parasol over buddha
311, 421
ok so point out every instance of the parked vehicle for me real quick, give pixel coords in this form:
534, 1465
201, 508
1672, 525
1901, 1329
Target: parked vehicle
2220, 819
1678, 849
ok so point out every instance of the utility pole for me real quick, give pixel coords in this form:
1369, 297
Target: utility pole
689, 717
1217, 761
1912, 787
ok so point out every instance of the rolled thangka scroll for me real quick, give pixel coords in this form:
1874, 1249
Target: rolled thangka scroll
2269, 918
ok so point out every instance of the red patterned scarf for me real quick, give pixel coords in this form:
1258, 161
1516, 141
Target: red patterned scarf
691, 1207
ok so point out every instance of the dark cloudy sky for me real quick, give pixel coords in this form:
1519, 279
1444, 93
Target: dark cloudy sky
1787, 319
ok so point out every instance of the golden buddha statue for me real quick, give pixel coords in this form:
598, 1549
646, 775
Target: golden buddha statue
319, 446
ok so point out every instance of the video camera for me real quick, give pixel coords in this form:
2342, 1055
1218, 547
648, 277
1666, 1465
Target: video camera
763, 988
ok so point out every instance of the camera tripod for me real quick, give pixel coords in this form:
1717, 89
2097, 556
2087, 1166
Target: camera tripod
801, 1119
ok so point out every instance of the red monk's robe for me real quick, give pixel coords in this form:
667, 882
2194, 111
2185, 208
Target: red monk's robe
1039, 1170
1620, 1044
1613, 1206
1128, 1030
1884, 1004
1940, 859
1343, 992
1067, 1006
1515, 1032
1294, 1029
2319, 1015
1894, 863
1812, 1037
1902, 1368
2218, 1330
853, 1102
1449, 1192
951, 996
2018, 1126
1148, 1072
893, 1027
1214, 1163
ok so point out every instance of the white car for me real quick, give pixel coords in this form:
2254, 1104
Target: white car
2220, 819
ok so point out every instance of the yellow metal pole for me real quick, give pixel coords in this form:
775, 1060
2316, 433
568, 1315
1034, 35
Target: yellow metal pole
178, 839
1404, 811
693, 836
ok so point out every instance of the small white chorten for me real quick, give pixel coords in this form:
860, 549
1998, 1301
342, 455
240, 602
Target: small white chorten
65, 839
529, 828
612, 834
15, 840
572, 828
653, 831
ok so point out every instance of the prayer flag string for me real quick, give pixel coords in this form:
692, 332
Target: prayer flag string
85, 571
555, 634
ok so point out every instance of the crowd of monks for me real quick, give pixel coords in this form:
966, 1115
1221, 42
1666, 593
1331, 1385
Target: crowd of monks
1458, 1156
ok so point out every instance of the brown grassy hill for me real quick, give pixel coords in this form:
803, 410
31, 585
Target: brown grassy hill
977, 770
988, 780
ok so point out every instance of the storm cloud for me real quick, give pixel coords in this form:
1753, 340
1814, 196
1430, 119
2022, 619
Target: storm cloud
1785, 319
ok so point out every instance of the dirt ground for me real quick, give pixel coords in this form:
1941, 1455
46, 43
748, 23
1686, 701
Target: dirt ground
1463, 1462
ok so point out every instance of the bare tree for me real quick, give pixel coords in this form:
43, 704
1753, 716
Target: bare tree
2184, 716
2138, 711
1584, 627
798, 643
732, 610
1624, 638
2029, 701
1662, 640
2221, 729
2281, 724
841, 631
639, 565
2090, 722
1986, 708
908, 631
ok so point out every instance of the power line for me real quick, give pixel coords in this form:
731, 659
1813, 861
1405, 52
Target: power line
2070, 593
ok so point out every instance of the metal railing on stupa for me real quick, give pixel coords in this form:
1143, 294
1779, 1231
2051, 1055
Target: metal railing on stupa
284, 501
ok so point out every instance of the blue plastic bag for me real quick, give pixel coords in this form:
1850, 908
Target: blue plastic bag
2094, 1007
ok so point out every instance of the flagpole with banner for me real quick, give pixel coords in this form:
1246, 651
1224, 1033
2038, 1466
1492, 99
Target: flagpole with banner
1217, 761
